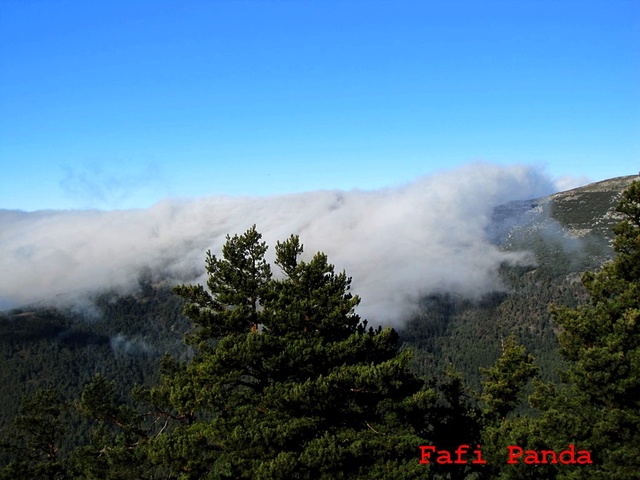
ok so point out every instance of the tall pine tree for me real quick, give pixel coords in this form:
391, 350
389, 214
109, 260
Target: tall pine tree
288, 381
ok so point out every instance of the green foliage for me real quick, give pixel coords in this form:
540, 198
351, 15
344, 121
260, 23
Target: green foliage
123, 340
502, 425
506, 379
235, 286
284, 380
468, 333
36, 438
301, 390
598, 407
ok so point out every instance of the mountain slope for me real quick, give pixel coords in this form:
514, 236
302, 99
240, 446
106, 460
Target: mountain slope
568, 232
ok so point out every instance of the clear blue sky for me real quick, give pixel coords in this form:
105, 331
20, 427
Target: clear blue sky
118, 104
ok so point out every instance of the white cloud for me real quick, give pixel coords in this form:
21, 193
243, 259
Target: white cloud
398, 244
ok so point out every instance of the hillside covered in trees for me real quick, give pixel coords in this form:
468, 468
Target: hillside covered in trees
280, 378
569, 233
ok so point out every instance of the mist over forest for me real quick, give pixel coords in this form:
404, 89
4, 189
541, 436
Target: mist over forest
399, 244
493, 338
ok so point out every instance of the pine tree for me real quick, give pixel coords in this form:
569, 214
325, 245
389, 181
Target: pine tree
117, 431
294, 385
235, 287
505, 380
36, 438
502, 426
600, 409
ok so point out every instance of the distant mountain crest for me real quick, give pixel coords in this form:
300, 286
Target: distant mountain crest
590, 209
579, 212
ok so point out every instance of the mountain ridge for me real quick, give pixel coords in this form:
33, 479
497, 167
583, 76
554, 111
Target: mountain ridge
569, 232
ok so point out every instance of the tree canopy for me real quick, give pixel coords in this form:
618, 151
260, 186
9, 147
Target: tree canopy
601, 341
287, 381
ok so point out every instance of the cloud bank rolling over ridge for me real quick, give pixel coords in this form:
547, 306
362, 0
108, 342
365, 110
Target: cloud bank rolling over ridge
398, 244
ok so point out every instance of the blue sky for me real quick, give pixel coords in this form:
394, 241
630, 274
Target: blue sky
120, 104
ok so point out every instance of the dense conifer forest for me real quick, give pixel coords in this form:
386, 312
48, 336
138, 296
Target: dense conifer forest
257, 375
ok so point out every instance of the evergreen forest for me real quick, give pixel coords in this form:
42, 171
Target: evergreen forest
268, 372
